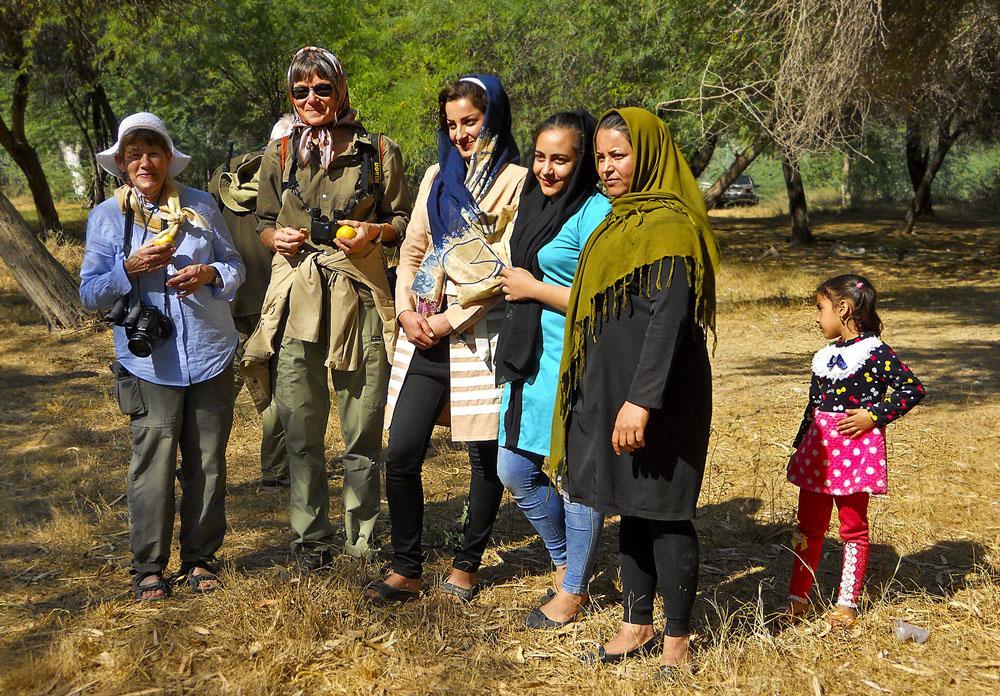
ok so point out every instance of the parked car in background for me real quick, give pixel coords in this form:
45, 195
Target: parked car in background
741, 192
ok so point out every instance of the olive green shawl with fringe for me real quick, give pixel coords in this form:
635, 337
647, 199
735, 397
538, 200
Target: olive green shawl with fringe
661, 217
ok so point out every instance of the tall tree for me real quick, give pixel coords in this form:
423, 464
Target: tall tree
785, 73
940, 70
17, 26
798, 211
918, 155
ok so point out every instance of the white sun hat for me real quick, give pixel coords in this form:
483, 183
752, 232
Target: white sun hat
147, 121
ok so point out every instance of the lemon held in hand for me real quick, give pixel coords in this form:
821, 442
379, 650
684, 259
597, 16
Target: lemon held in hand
346, 232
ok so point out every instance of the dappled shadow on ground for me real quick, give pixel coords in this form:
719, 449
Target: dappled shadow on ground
745, 560
959, 247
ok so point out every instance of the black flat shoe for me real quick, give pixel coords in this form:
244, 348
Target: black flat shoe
602, 656
386, 594
537, 619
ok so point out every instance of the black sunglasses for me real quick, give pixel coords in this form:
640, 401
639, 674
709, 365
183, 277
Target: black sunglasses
323, 89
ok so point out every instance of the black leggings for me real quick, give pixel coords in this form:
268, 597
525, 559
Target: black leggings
422, 397
651, 551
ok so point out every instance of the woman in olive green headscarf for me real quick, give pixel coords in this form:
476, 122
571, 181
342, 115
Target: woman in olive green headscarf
631, 426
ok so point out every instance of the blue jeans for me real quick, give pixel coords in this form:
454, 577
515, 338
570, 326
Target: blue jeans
570, 531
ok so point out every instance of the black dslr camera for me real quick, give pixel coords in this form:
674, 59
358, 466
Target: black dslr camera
144, 325
321, 227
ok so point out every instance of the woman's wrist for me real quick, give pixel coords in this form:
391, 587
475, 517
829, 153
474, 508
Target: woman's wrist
214, 277
267, 238
378, 231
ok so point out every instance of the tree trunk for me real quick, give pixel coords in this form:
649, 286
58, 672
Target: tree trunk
742, 161
27, 161
16, 143
105, 134
917, 157
42, 279
798, 212
845, 182
702, 156
946, 138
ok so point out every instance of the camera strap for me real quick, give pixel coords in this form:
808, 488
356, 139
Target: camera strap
128, 234
370, 176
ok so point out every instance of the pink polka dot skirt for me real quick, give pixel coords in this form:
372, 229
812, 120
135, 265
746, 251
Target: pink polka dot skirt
828, 462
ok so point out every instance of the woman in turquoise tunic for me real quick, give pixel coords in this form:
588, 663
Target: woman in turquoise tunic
560, 206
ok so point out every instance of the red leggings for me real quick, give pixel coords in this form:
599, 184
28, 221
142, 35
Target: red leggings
814, 520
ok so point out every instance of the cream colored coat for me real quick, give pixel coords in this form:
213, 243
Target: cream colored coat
474, 403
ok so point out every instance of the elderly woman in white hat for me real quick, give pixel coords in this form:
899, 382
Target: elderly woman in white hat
160, 258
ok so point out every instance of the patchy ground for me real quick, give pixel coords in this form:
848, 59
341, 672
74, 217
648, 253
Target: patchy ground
68, 627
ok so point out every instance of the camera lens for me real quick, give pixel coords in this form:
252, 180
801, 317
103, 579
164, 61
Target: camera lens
140, 347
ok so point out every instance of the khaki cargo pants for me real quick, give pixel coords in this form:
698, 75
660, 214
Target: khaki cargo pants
302, 398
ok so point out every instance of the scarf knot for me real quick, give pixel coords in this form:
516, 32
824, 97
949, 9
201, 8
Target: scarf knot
166, 220
460, 230
174, 216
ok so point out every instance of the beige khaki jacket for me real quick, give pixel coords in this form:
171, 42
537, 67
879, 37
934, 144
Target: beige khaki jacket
474, 403
314, 296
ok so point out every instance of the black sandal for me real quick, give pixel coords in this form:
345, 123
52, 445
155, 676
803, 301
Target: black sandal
547, 597
671, 674
386, 594
602, 656
464, 594
186, 575
160, 585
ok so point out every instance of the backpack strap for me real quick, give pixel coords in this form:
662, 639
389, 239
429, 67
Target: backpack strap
284, 153
378, 182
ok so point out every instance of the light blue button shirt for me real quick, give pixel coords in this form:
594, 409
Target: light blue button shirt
204, 339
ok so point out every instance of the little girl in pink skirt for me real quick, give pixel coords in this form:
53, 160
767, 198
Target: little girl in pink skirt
840, 447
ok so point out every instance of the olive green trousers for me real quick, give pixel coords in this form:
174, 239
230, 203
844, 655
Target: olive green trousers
196, 420
302, 401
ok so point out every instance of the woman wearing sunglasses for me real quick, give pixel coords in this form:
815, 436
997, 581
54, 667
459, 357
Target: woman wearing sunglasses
328, 304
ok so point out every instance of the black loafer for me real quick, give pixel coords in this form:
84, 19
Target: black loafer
537, 619
602, 656
386, 594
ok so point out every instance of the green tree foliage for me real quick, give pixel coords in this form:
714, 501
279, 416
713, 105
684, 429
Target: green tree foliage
216, 70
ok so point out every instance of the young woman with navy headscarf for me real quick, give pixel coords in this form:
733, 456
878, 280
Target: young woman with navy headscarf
450, 305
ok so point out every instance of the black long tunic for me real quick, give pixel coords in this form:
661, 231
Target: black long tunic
652, 354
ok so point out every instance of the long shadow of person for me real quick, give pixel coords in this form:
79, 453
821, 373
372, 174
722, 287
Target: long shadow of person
940, 571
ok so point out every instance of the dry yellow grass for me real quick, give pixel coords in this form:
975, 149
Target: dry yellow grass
67, 625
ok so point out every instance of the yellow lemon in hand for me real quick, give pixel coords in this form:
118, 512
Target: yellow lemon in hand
346, 232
